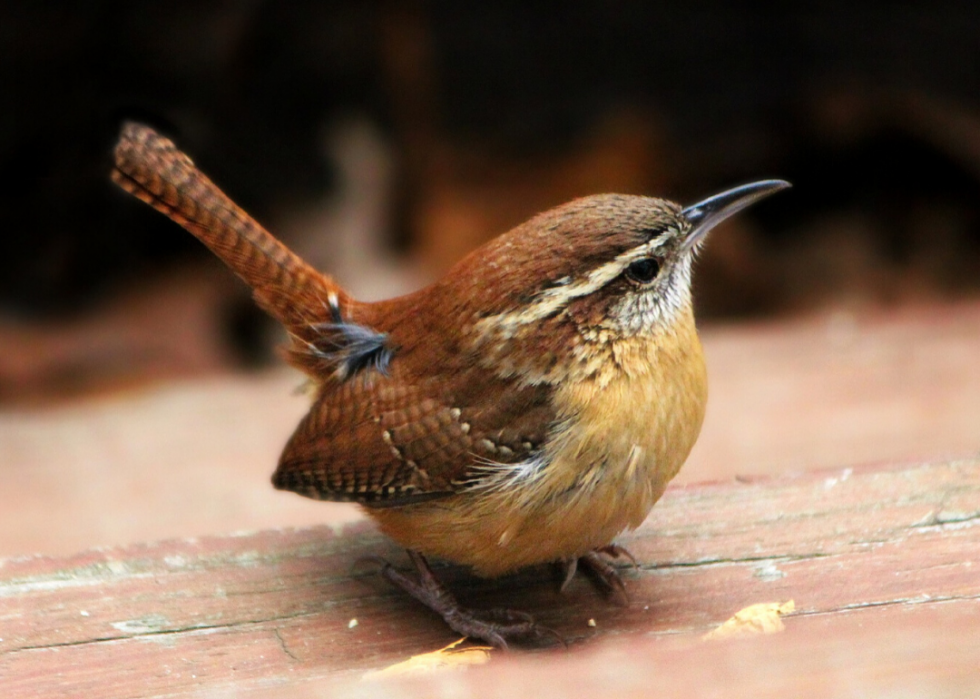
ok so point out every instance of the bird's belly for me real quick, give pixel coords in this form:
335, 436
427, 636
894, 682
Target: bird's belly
498, 532
605, 471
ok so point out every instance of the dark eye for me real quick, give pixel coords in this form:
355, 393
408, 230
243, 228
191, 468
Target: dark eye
643, 271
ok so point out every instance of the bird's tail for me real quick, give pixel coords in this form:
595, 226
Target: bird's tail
151, 168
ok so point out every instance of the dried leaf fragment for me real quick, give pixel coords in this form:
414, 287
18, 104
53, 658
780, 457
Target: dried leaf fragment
446, 658
752, 620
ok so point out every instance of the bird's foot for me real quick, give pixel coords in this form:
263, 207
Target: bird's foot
604, 574
495, 626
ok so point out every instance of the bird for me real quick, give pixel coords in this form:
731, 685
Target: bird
526, 408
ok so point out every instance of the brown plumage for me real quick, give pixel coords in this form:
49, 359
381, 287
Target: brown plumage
526, 408
150, 167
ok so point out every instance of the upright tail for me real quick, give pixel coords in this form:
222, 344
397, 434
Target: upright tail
150, 167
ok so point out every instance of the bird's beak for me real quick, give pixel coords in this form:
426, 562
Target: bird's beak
707, 214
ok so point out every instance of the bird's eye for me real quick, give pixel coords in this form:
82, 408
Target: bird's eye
643, 271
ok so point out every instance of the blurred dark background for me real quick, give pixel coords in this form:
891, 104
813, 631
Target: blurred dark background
383, 140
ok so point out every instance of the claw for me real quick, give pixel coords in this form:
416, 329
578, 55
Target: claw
615, 551
571, 567
603, 573
495, 626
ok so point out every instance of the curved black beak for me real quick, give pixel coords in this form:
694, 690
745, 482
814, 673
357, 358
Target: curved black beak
707, 214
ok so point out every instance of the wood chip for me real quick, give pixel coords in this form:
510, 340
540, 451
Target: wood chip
752, 620
449, 658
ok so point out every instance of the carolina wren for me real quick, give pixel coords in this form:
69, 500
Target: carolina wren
526, 408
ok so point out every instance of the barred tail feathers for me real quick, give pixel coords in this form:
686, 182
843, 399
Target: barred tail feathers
151, 168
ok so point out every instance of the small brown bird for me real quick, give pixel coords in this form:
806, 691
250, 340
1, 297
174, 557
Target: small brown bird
526, 408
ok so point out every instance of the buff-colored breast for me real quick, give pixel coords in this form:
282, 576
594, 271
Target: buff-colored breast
626, 432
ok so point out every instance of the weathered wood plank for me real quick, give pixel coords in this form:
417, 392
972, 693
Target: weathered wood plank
924, 651
177, 617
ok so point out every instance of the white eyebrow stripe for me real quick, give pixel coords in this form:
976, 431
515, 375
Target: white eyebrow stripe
556, 298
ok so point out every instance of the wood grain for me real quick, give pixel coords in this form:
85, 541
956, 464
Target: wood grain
272, 608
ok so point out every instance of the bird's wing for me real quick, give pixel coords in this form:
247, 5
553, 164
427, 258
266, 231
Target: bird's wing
382, 441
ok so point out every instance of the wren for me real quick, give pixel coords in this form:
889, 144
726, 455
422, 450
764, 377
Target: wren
526, 408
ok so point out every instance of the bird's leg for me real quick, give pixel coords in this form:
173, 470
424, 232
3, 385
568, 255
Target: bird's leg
496, 626
603, 573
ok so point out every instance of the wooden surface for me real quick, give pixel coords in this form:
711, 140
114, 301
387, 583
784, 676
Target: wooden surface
195, 457
890, 554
